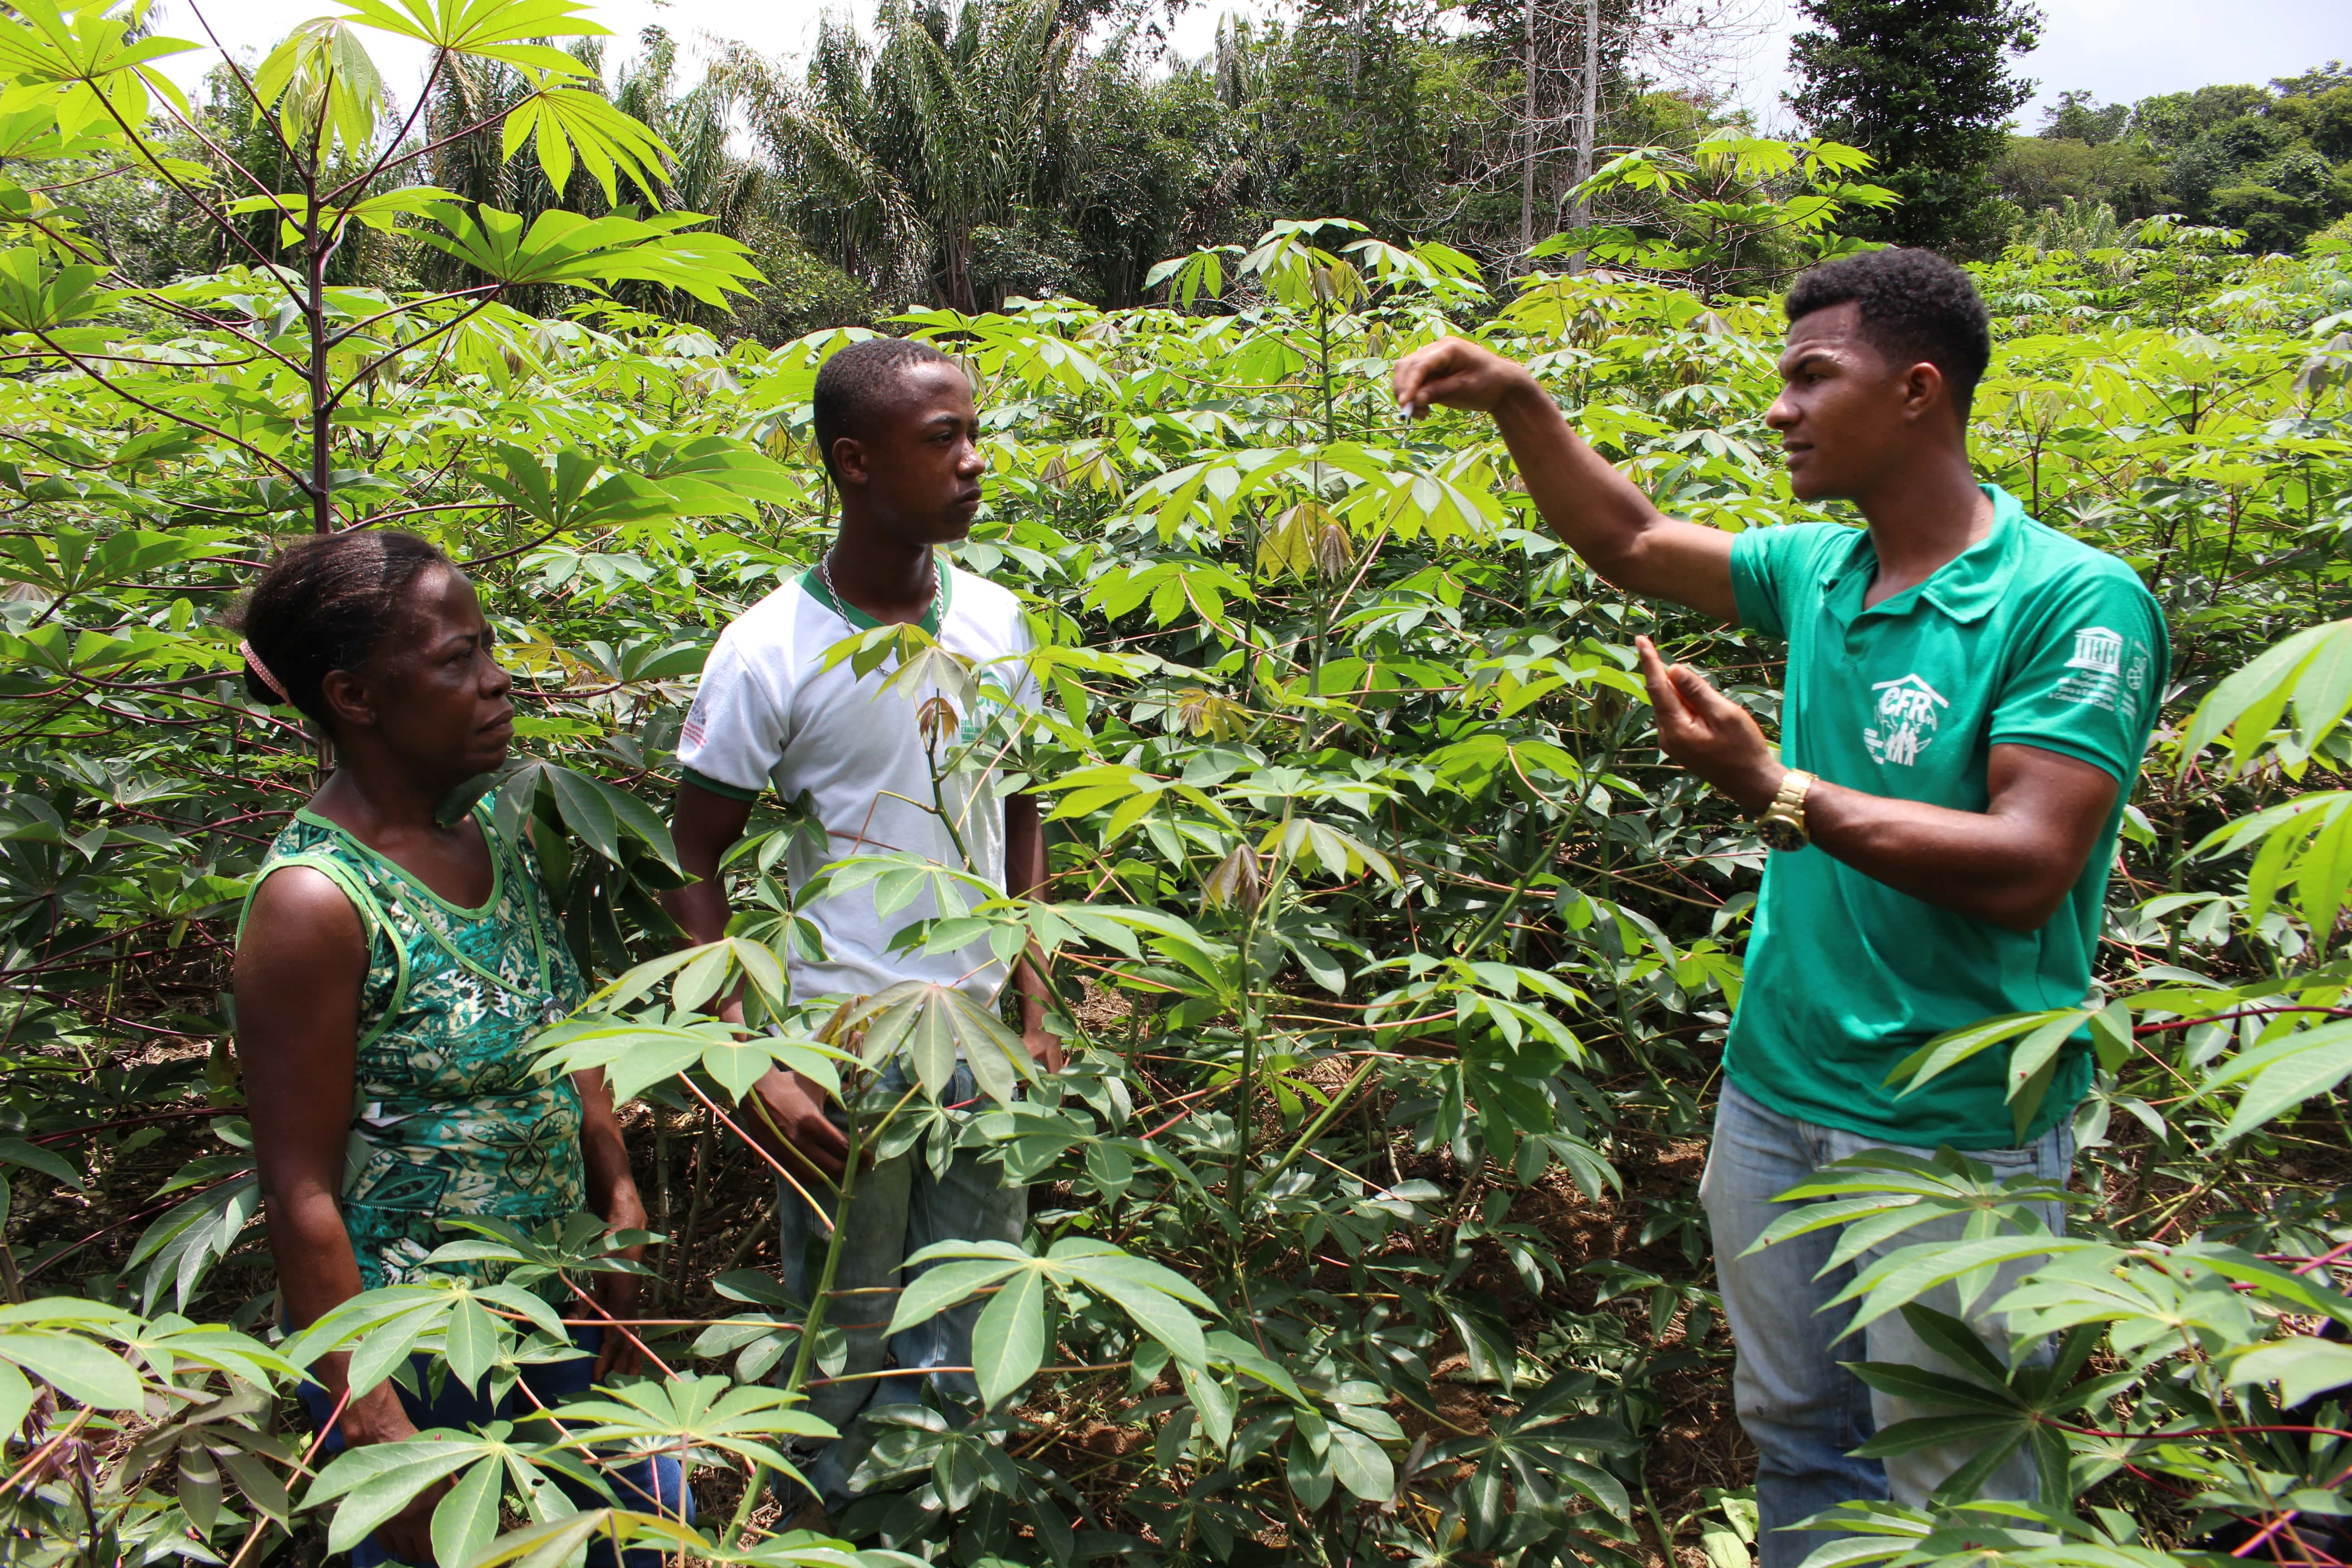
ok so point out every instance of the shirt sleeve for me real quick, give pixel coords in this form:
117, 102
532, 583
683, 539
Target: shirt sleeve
1763, 561
735, 733
2090, 676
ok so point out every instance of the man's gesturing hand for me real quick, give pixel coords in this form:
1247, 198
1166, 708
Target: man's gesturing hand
1460, 376
1709, 733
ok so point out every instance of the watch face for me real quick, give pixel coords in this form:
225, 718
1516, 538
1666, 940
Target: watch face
1779, 832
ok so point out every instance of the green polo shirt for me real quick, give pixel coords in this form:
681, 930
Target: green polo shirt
2029, 637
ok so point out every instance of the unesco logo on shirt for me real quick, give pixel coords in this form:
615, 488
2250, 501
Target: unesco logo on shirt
1907, 720
2098, 671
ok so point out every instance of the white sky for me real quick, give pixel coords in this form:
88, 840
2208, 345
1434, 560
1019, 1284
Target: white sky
2119, 49
2122, 50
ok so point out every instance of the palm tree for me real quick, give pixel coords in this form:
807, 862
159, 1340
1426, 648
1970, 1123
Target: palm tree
906, 147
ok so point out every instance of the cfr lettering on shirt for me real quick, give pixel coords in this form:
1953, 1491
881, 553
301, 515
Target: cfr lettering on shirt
1907, 713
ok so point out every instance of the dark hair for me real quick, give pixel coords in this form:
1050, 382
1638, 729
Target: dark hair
857, 380
1915, 306
324, 605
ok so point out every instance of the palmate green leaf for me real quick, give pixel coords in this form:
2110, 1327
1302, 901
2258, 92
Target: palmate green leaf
1153, 1296
78, 1367
69, 559
378, 1481
1361, 1466
932, 1025
564, 248
35, 296
170, 1346
2305, 841
90, 52
631, 1054
1008, 1342
697, 974
2284, 1287
2302, 1365
2045, 1033
2284, 1073
1905, 1274
556, 1540
562, 120
182, 1246
493, 29
695, 1412
389, 1322
324, 86
1875, 1195
549, 1543
2308, 675
33, 1157
465, 1521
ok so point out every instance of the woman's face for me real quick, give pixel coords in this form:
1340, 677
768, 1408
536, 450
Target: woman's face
433, 693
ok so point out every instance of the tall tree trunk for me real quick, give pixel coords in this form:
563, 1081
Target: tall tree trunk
958, 271
1527, 174
1587, 124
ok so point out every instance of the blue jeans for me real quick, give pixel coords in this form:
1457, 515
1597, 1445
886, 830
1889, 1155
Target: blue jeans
654, 1484
1804, 1412
897, 1207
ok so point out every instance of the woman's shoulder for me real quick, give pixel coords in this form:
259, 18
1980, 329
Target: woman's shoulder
309, 876
300, 915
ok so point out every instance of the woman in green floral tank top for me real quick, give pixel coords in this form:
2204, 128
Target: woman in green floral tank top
391, 969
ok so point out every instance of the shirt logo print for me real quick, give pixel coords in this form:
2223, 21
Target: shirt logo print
1907, 720
2097, 674
2098, 649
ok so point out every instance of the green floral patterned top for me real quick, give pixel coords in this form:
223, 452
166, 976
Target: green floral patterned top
449, 1116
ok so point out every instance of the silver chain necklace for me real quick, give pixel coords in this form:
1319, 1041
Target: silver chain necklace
840, 605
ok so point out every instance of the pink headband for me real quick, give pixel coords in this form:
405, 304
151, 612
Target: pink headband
253, 660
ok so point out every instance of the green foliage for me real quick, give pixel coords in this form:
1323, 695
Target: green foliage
1375, 924
1926, 85
2274, 163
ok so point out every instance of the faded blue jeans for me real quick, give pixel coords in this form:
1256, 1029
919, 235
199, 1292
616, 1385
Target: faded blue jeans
897, 1208
1804, 1412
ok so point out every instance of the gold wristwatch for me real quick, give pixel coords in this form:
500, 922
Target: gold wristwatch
1782, 825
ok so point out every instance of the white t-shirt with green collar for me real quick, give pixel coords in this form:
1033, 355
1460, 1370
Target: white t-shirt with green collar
770, 715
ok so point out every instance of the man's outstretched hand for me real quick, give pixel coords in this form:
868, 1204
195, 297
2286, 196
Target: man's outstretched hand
1709, 733
1458, 374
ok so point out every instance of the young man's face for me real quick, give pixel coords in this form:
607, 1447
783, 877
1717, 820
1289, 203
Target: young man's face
918, 459
1846, 408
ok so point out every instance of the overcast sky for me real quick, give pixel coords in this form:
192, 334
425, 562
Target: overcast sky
2119, 49
2126, 49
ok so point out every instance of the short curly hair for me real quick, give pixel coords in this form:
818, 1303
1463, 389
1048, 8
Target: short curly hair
855, 381
1915, 306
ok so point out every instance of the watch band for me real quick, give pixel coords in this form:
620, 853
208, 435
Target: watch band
1783, 822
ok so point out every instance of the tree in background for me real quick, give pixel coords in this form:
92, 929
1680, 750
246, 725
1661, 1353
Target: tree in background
2081, 117
1925, 86
2273, 163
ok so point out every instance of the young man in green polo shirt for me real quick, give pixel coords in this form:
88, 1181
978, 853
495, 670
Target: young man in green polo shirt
1968, 693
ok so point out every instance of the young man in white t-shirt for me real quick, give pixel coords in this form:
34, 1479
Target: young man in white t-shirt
898, 433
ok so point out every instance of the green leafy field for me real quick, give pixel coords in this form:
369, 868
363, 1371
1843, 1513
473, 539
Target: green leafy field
1366, 1221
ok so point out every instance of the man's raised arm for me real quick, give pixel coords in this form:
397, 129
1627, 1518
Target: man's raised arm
1591, 506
